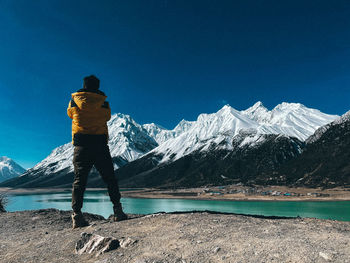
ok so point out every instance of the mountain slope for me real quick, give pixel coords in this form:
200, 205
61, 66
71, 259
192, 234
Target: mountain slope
9, 169
127, 141
161, 135
290, 119
246, 163
228, 146
325, 160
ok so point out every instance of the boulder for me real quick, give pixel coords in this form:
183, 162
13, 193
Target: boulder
95, 244
124, 243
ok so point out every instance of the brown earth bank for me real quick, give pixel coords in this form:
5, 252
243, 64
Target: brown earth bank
250, 193
228, 192
46, 236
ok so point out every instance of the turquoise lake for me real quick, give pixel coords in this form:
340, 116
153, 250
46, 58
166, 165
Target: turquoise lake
98, 202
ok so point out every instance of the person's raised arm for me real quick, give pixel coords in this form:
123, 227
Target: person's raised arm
71, 105
107, 111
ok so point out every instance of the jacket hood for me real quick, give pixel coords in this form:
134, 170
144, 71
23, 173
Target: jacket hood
88, 100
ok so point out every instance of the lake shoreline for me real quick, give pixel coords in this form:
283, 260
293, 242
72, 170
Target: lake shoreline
202, 193
153, 201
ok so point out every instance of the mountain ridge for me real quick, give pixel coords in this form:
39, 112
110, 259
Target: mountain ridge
287, 123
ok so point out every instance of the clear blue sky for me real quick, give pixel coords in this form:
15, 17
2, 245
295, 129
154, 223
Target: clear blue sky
162, 61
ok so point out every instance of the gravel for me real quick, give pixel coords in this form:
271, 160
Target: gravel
46, 236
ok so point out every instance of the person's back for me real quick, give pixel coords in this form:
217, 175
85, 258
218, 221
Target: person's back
90, 112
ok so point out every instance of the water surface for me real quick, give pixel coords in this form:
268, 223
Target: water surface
98, 202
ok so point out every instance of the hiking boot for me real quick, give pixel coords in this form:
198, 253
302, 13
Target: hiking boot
78, 220
119, 215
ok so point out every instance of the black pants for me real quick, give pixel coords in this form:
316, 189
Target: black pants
83, 160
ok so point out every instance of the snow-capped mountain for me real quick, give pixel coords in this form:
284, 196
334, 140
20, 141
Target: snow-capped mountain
320, 131
162, 135
237, 136
127, 142
244, 162
290, 119
228, 146
128, 139
9, 169
324, 161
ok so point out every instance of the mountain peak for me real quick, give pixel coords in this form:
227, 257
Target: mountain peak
289, 106
9, 168
4, 159
345, 117
226, 106
258, 106
183, 125
227, 109
153, 126
120, 116
257, 112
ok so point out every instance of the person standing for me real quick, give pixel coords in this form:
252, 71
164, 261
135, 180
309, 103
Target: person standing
90, 112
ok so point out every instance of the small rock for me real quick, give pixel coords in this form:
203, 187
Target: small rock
325, 256
90, 228
124, 243
198, 241
153, 215
216, 250
91, 243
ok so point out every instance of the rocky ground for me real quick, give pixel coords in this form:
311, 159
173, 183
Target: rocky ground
46, 236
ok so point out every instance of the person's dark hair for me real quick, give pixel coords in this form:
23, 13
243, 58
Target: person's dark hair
91, 82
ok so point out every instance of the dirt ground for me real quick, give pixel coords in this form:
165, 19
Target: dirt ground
46, 236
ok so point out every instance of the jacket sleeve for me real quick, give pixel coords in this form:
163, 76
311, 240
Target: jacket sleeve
70, 108
107, 111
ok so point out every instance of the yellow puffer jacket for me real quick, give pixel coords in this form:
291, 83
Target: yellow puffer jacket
89, 112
